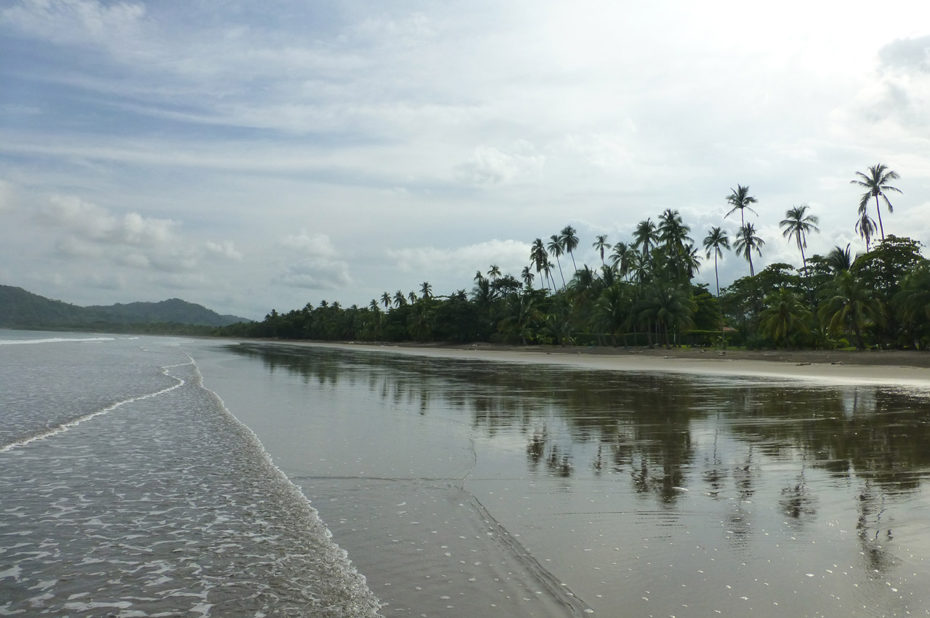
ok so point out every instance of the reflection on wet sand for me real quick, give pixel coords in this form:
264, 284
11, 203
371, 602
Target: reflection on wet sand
764, 451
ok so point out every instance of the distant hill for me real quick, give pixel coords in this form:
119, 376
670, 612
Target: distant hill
22, 309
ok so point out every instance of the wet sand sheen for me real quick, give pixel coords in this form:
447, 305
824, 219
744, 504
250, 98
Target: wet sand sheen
668, 488
855, 368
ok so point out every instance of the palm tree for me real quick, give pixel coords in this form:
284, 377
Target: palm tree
851, 308
865, 227
412, 296
386, 300
426, 290
747, 241
839, 259
644, 236
672, 231
494, 272
600, 245
569, 242
740, 199
399, 300
620, 258
538, 257
876, 185
669, 306
556, 248
527, 276
798, 224
783, 316
715, 241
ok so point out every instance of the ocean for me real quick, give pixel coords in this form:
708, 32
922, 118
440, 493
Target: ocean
172, 476
128, 489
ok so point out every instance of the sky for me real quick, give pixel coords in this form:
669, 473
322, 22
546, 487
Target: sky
257, 155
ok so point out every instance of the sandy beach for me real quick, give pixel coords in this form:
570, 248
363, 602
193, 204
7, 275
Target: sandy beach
891, 367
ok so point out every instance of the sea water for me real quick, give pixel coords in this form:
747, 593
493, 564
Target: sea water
136, 479
128, 489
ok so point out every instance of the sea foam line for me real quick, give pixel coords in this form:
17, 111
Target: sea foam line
349, 568
52, 340
58, 429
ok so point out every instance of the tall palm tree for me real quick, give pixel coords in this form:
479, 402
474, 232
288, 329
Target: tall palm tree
494, 272
426, 290
865, 227
747, 241
798, 224
399, 300
600, 245
569, 242
644, 236
876, 185
556, 248
715, 241
672, 231
620, 256
527, 276
386, 300
538, 256
740, 200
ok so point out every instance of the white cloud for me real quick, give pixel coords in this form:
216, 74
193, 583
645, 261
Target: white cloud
77, 22
509, 255
97, 224
225, 249
318, 245
491, 165
317, 274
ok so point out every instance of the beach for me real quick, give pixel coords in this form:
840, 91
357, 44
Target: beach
565, 481
891, 367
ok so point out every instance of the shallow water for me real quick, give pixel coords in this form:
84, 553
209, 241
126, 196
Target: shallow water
463, 486
127, 489
457, 487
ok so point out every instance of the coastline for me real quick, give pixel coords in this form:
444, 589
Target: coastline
887, 367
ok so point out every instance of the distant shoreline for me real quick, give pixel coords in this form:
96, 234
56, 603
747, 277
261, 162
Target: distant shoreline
884, 367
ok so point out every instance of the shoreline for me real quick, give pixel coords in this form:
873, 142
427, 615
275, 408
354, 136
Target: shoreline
885, 367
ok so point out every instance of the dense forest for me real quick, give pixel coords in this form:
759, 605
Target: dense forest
22, 309
642, 292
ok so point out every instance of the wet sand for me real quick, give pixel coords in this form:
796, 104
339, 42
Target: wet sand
892, 367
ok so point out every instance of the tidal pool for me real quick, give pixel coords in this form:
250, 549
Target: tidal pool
464, 486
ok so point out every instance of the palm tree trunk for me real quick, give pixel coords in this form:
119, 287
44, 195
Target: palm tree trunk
716, 275
878, 209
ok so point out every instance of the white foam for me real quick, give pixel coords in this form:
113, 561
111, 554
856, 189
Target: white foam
75, 422
53, 340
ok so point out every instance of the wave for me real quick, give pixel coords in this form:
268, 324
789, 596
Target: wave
63, 427
53, 340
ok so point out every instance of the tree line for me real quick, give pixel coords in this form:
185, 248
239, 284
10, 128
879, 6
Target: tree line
643, 293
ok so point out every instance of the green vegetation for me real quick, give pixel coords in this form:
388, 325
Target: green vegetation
642, 293
25, 310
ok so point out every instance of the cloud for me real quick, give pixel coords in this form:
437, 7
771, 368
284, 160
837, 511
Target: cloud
491, 165
76, 21
225, 249
317, 267
318, 245
509, 255
94, 223
317, 274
